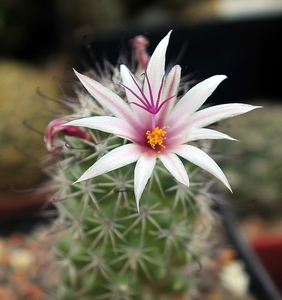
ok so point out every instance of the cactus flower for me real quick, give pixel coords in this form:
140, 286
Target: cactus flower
156, 124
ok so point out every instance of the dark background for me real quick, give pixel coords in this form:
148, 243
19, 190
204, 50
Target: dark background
247, 50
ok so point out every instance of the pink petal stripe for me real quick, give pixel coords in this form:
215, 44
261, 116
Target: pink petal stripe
194, 99
107, 98
175, 166
217, 113
112, 125
143, 171
117, 158
201, 159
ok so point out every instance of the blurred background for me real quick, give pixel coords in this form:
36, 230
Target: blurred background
40, 41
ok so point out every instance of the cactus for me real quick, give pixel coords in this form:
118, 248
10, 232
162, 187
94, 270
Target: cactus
126, 234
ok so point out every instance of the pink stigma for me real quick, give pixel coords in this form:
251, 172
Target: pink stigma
150, 105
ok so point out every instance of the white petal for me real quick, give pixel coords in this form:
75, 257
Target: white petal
107, 98
170, 89
112, 125
194, 99
143, 171
144, 118
175, 166
171, 83
204, 133
201, 159
117, 158
127, 80
156, 66
217, 113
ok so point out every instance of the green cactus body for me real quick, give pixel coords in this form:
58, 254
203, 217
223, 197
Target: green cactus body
109, 250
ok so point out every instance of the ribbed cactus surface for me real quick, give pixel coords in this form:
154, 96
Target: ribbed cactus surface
109, 250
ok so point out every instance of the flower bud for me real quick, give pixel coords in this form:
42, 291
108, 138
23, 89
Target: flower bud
58, 126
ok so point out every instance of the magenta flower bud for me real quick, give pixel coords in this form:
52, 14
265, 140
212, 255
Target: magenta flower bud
140, 44
58, 126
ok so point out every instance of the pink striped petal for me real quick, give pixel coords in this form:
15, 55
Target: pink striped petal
143, 171
196, 134
170, 89
194, 99
175, 166
107, 98
204, 133
217, 113
117, 158
156, 67
112, 125
128, 80
201, 159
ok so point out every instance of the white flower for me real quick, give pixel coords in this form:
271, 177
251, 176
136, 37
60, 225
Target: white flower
158, 125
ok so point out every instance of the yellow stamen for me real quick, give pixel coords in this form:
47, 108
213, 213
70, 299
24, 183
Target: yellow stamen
156, 137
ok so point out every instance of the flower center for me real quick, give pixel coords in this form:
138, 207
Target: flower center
156, 137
